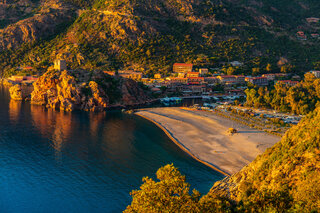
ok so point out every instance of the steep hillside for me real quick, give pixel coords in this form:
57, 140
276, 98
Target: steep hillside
286, 176
12, 11
46, 20
151, 35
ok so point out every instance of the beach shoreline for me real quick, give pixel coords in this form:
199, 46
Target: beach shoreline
202, 135
181, 146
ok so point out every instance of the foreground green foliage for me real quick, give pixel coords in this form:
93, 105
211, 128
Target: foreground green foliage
171, 194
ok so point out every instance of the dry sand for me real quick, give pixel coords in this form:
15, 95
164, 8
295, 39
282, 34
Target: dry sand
204, 136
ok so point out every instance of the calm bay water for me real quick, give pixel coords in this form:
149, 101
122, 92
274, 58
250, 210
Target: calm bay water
81, 162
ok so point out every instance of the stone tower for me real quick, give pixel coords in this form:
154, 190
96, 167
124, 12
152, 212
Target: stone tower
60, 65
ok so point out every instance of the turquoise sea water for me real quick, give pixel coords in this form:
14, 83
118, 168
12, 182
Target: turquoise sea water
54, 161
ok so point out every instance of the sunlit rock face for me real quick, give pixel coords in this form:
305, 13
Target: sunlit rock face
20, 92
16, 93
74, 90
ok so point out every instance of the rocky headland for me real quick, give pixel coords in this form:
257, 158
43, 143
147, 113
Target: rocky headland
20, 92
81, 90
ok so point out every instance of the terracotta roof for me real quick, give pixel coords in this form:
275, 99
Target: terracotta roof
183, 65
191, 83
28, 68
199, 78
288, 81
227, 76
178, 78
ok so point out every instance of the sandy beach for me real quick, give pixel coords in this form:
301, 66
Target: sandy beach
204, 136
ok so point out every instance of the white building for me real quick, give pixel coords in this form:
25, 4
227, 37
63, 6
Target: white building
236, 63
315, 73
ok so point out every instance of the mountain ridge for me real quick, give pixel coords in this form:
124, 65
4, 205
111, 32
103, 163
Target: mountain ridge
150, 36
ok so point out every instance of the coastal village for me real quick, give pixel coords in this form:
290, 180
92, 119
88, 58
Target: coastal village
187, 82
214, 88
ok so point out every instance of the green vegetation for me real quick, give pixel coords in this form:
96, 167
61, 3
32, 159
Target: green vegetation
300, 99
286, 178
171, 194
152, 35
290, 170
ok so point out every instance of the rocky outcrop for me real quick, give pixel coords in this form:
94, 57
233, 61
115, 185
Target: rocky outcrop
98, 100
70, 91
59, 90
16, 93
20, 92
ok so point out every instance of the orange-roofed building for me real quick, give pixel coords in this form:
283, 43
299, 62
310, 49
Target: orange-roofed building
288, 82
182, 68
27, 68
226, 78
211, 80
193, 74
195, 80
259, 81
178, 80
313, 20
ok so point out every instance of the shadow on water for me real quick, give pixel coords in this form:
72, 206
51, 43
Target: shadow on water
53, 161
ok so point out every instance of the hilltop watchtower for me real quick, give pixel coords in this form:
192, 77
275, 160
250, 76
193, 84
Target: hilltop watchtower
60, 65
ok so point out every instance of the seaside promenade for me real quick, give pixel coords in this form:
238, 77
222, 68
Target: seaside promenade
204, 136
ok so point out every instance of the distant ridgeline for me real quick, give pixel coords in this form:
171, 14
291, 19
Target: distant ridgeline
150, 36
286, 178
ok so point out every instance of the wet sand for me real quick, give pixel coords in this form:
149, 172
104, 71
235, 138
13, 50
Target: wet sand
204, 136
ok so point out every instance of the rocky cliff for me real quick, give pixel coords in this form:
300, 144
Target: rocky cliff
93, 91
20, 92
